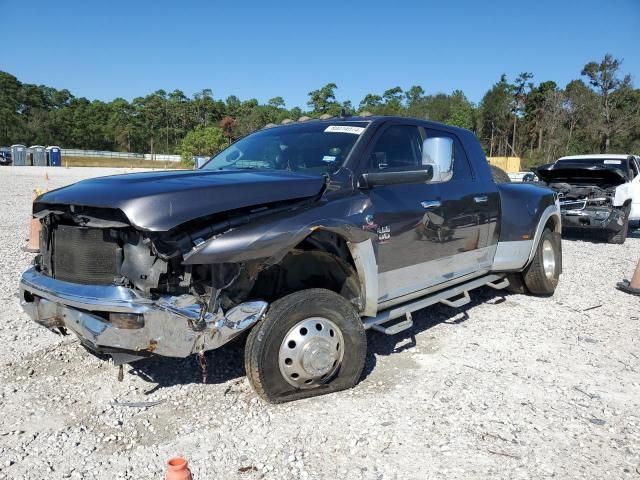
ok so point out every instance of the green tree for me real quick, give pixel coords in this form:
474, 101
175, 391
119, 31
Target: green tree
534, 111
392, 101
495, 118
519, 89
414, 98
582, 106
323, 100
12, 129
370, 103
461, 113
539, 122
276, 102
604, 77
202, 141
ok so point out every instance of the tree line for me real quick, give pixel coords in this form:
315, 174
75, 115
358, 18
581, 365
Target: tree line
597, 112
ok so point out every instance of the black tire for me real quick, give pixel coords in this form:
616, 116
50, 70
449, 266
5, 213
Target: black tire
263, 344
516, 284
534, 276
619, 237
499, 175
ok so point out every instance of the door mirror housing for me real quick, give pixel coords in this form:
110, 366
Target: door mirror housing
395, 177
232, 156
437, 152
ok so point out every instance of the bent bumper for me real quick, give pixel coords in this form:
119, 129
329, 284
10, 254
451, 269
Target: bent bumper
611, 220
169, 327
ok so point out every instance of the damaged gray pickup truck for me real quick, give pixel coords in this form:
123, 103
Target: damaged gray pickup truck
302, 236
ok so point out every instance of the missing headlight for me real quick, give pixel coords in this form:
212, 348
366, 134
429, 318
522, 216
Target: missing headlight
127, 321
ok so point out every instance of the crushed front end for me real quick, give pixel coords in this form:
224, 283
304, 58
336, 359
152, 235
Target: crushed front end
589, 207
126, 292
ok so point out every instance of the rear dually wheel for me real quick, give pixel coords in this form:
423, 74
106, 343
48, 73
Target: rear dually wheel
543, 273
541, 276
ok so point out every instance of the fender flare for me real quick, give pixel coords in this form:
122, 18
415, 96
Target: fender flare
552, 211
364, 258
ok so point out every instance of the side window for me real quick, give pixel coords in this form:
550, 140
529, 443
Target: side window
400, 146
461, 168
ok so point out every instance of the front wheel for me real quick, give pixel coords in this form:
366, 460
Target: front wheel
310, 343
621, 235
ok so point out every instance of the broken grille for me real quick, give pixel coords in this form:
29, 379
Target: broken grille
573, 205
85, 255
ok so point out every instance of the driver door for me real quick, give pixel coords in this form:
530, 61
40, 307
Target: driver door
421, 227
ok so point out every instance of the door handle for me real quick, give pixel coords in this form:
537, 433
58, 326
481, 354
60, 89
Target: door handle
481, 199
430, 204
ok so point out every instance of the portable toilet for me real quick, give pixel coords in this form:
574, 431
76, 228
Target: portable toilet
54, 156
200, 161
38, 155
19, 155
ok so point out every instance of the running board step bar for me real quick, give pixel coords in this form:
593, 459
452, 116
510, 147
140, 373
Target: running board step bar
499, 285
396, 327
447, 297
459, 302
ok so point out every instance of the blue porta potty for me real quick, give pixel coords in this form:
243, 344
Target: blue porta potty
54, 156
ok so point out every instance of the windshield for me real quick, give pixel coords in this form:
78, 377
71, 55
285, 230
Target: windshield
621, 165
313, 148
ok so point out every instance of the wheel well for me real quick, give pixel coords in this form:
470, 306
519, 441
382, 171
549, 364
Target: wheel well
554, 224
322, 260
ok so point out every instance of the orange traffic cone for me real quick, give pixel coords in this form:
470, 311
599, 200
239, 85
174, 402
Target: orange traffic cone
33, 245
631, 286
178, 469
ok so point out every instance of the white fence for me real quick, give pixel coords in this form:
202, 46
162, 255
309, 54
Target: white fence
160, 157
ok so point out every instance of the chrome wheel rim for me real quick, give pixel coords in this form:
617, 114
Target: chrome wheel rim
311, 352
548, 259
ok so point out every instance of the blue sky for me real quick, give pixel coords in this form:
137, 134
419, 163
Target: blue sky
114, 48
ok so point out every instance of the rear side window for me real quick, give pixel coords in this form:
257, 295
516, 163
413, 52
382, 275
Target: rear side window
461, 167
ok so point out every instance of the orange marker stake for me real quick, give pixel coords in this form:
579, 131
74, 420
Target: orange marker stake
34, 233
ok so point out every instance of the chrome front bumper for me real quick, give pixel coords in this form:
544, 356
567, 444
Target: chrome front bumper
169, 322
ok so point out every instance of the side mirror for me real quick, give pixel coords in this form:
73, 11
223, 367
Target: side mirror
438, 152
390, 177
232, 156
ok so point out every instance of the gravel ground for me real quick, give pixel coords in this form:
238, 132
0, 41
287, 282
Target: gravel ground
508, 387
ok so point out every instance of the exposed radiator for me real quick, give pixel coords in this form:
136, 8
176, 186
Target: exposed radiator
85, 255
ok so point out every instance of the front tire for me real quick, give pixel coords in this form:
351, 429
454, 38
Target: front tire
619, 237
310, 343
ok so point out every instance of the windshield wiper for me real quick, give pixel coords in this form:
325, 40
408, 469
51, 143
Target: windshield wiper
232, 167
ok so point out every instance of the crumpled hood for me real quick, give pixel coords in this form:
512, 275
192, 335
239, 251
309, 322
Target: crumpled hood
575, 174
160, 201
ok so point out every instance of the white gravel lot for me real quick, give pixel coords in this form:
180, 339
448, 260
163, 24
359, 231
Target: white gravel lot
508, 387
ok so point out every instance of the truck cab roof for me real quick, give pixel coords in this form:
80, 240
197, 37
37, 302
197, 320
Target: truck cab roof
374, 120
597, 156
